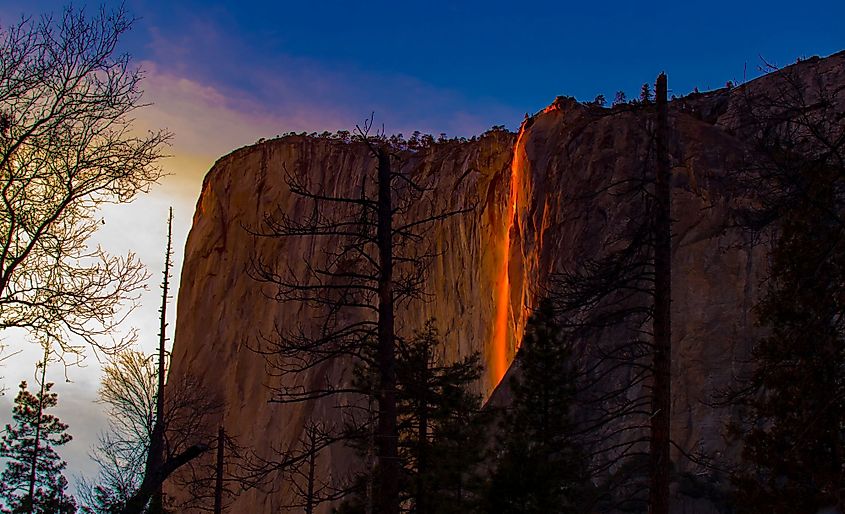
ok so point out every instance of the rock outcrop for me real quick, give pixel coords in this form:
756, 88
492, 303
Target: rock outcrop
526, 226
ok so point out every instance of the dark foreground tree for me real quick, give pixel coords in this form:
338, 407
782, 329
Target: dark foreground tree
442, 430
793, 435
795, 447
614, 307
539, 466
150, 434
297, 469
156, 453
68, 146
32, 481
373, 258
128, 392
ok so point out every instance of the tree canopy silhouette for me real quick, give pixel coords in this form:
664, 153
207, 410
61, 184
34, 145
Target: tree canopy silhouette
67, 146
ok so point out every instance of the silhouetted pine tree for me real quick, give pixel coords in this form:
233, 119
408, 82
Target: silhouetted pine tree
793, 457
539, 467
440, 435
441, 429
619, 98
795, 447
646, 96
32, 481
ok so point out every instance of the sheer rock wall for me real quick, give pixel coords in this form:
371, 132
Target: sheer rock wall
567, 153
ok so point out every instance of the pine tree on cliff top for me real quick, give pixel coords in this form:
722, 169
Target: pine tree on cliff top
539, 467
32, 481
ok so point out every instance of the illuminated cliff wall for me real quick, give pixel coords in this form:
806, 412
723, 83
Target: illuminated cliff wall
539, 211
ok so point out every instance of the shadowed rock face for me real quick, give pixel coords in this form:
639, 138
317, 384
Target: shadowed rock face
563, 155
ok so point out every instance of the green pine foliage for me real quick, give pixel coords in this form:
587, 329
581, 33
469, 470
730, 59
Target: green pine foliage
441, 429
539, 468
34, 429
794, 438
441, 439
646, 95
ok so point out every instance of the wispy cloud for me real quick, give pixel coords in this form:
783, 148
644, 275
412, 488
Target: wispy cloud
206, 122
299, 93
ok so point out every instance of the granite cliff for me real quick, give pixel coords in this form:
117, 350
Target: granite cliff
492, 263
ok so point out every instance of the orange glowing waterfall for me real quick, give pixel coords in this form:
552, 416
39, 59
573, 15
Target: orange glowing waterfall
502, 326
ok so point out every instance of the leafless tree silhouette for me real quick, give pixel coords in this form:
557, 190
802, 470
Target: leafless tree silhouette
67, 146
374, 257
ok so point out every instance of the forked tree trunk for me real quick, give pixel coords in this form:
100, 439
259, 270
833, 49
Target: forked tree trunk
154, 480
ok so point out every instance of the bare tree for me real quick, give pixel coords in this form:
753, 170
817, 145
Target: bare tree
790, 398
380, 261
68, 146
128, 391
152, 433
293, 468
187, 436
615, 305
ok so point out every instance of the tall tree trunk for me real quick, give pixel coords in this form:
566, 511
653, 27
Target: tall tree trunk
218, 482
422, 437
662, 322
371, 443
33, 465
155, 458
388, 492
312, 458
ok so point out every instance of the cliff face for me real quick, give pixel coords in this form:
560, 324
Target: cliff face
540, 209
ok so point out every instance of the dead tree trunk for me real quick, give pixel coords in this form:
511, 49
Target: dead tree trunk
157, 443
312, 462
155, 457
387, 438
662, 322
218, 483
153, 481
33, 470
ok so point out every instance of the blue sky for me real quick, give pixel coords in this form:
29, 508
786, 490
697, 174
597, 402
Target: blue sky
223, 74
496, 57
460, 67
